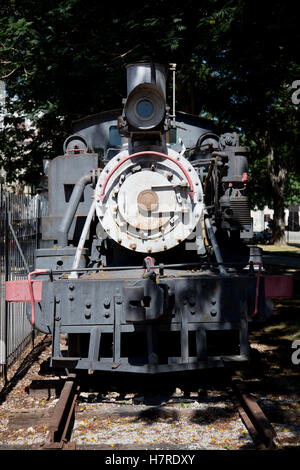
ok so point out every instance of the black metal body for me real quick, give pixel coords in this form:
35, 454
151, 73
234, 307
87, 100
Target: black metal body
119, 309
189, 321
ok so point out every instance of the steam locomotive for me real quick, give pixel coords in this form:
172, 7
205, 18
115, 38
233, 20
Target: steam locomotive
147, 263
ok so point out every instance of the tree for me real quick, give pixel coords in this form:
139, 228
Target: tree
64, 59
250, 68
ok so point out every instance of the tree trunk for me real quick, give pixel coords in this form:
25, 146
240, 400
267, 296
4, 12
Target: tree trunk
278, 183
278, 233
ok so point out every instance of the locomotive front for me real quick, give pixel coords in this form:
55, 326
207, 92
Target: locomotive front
148, 197
149, 266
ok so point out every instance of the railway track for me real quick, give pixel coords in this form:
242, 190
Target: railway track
59, 427
60, 423
256, 422
84, 418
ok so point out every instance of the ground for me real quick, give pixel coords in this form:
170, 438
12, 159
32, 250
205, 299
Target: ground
205, 420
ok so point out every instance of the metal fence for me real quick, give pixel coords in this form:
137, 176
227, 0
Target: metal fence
20, 217
292, 237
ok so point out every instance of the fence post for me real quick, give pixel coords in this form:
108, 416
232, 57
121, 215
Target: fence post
4, 275
2, 298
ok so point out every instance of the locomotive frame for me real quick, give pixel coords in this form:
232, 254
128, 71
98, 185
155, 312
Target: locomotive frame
121, 303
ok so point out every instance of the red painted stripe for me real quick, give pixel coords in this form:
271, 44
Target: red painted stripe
277, 286
138, 154
18, 291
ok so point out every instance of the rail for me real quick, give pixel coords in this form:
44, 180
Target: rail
60, 423
258, 425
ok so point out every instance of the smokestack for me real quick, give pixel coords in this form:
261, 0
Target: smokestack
146, 72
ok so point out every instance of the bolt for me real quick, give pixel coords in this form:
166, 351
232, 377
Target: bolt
213, 312
71, 287
136, 168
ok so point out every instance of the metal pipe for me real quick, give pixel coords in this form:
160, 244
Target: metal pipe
17, 241
173, 69
209, 172
81, 243
72, 208
158, 266
37, 271
215, 245
257, 286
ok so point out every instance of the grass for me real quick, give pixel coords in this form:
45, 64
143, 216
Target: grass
288, 249
285, 322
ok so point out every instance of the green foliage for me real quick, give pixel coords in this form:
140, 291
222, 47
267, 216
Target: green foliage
64, 59
253, 62
293, 189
